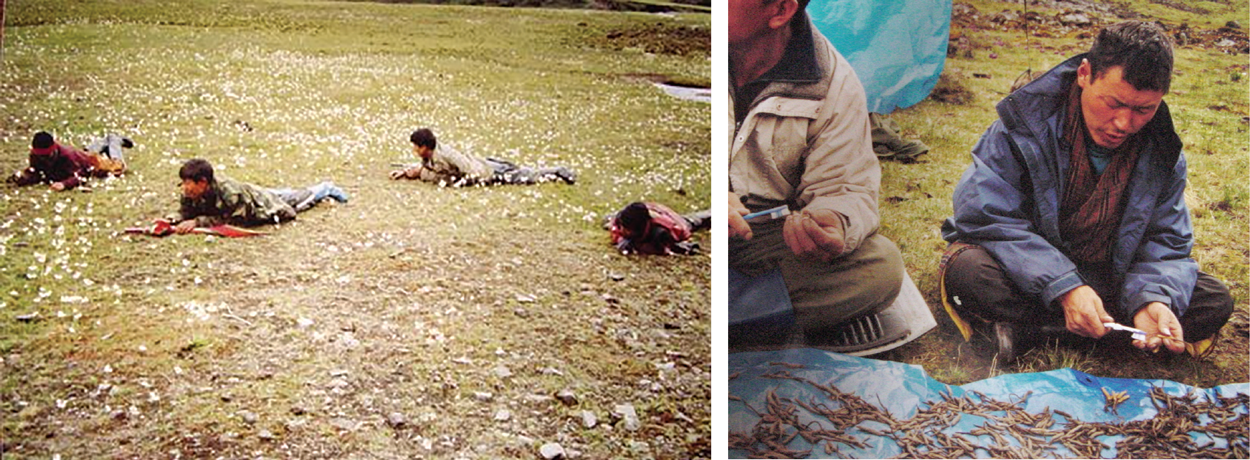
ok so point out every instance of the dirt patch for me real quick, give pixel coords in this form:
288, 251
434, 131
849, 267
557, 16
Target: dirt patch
951, 90
1082, 19
655, 38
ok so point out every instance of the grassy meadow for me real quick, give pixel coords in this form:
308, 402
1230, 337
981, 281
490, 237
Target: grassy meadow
414, 321
1209, 102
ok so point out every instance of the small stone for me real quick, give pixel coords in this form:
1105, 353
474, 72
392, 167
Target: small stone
462, 361
482, 396
551, 371
396, 420
609, 299
119, 415
503, 415
503, 372
338, 373
628, 416
567, 397
248, 417
616, 277
521, 312
265, 435
339, 383
304, 322
27, 317
525, 298
588, 419
525, 440
536, 398
344, 424
298, 410
551, 451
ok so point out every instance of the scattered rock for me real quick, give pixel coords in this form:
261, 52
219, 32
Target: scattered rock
627, 415
521, 312
29, 317
616, 277
298, 410
1074, 19
339, 383
396, 420
248, 417
551, 451
226, 397
338, 373
462, 361
551, 371
525, 298
567, 397
1225, 42
265, 435
537, 399
344, 424
503, 415
503, 372
610, 299
588, 419
119, 414
304, 322
483, 396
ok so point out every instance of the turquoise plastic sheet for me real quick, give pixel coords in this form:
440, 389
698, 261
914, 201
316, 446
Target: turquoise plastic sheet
903, 389
897, 47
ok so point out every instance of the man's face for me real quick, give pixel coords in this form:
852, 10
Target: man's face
747, 18
1113, 108
194, 189
422, 151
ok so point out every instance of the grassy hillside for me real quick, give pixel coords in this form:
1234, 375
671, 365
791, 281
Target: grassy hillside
414, 320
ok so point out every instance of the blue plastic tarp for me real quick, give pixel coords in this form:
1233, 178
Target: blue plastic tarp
897, 47
904, 389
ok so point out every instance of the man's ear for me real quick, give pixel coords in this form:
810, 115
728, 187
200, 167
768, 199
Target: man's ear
1084, 74
782, 11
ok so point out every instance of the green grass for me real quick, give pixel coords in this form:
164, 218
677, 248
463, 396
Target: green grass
390, 288
1207, 103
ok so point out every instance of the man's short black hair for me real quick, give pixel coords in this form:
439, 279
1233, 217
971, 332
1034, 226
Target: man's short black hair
423, 138
42, 140
1142, 48
634, 218
197, 170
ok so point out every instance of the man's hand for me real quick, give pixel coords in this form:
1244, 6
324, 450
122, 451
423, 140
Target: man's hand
58, 186
1083, 312
816, 234
1161, 328
738, 227
185, 227
396, 174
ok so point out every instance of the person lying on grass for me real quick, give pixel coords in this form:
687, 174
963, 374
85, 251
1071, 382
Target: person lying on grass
444, 165
652, 228
1072, 215
208, 200
65, 167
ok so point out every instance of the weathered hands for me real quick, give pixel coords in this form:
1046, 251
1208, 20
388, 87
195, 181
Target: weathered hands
58, 186
738, 227
1161, 327
1084, 313
816, 234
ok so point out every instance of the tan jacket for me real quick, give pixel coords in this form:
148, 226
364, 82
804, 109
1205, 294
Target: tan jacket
809, 145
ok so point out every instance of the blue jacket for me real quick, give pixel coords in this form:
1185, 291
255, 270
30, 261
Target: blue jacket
1008, 202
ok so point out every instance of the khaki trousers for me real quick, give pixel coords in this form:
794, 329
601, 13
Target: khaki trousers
824, 293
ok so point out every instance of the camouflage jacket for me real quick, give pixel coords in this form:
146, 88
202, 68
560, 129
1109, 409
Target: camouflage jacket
237, 203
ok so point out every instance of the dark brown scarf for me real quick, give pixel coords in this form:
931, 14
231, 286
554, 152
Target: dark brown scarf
1093, 204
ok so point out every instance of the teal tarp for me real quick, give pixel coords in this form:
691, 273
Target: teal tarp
897, 47
904, 389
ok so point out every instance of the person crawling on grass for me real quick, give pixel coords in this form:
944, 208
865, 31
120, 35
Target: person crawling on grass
444, 165
652, 228
1072, 216
208, 200
65, 167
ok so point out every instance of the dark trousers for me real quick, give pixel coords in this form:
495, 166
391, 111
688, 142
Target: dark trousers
977, 286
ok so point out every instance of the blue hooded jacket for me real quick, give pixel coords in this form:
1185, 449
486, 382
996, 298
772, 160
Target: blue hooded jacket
1008, 202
